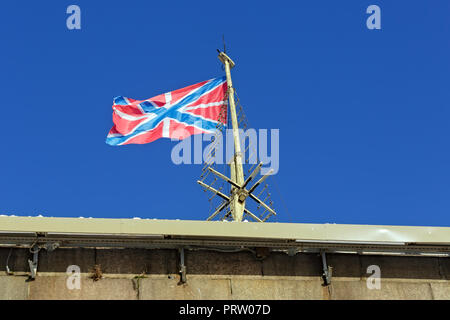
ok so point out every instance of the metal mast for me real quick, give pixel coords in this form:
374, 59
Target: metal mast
239, 192
237, 172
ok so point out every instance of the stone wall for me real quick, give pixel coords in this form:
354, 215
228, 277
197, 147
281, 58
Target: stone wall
154, 274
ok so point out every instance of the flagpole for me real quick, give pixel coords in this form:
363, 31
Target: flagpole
237, 202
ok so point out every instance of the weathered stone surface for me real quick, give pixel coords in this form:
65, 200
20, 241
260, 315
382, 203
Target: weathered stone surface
280, 264
195, 288
18, 259
441, 290
55, 288
444, 268
60, 259
344, 265
219, 263
403, 267
13, 288
276, 289
162, 262
390, 290
122, 261
137, 261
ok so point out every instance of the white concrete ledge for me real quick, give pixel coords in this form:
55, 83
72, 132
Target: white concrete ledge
335, 233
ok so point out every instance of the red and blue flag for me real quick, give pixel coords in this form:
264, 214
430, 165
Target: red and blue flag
177, 114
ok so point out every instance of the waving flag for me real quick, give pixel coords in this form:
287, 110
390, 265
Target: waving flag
177, 114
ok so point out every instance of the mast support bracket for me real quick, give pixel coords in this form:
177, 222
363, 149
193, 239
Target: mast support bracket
182, 267
33, 264
327, 270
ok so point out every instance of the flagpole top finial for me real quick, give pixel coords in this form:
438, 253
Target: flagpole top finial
224, 58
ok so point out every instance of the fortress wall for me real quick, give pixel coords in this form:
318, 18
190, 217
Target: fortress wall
154, 274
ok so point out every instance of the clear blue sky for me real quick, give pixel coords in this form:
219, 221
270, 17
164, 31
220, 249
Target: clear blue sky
364, 115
